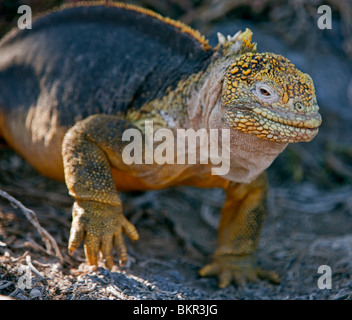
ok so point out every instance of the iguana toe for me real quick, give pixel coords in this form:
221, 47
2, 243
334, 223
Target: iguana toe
237, 269
101, 227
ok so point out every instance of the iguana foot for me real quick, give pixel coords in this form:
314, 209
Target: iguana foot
100, 226
236, 268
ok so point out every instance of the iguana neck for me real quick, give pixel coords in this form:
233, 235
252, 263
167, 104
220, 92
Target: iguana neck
205, 94
190, 103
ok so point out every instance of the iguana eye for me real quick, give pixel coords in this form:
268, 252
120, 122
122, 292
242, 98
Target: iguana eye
265, 92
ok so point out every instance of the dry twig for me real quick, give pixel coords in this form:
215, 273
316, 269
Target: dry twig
47, 238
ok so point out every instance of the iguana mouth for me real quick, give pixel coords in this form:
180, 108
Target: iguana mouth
274, 126
311, 121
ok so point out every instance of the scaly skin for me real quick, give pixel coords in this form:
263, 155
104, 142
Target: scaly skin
242, 217
261, 97
284, 106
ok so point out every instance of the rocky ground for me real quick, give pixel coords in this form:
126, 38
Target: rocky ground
308, 225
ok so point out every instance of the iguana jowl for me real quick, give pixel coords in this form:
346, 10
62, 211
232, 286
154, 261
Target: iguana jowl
71, 86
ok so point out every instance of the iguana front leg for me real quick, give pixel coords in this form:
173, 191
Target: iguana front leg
89, 149
240, 225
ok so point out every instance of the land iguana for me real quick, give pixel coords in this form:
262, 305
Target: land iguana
85, 73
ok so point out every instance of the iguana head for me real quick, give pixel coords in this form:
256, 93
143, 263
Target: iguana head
266, 95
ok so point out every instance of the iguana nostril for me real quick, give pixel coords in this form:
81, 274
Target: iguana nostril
299, 106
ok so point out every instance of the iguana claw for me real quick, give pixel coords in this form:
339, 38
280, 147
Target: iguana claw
237, 269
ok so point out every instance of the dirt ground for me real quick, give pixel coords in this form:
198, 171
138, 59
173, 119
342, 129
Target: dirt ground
309, 219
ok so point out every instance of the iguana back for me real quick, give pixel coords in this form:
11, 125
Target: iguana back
96, 59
